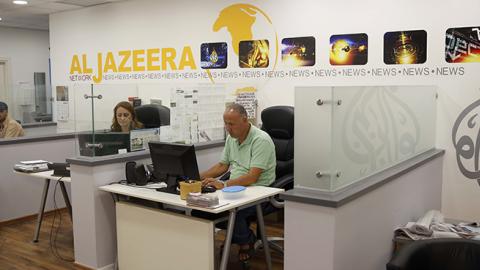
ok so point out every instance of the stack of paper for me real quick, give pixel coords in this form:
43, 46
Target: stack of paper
31, 166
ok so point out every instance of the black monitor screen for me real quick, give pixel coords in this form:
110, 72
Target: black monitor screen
173, 162
107, 143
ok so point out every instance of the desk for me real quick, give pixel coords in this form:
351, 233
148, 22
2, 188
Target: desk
254, 195
47, 176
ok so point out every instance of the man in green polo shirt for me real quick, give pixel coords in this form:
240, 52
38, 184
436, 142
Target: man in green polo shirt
249, 153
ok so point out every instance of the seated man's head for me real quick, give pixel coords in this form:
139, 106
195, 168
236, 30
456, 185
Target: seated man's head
3, 111
236, 121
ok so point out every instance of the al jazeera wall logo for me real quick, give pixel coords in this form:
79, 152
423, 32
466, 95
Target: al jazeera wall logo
466, 141
254, 48
239, 20
380, 128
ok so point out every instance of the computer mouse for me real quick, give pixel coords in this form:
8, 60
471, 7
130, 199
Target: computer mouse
208, 189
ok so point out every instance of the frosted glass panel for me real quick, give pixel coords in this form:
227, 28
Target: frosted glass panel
313, 128
378, 127
372, 128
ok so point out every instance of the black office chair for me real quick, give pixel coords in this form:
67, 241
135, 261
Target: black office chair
438, 254
278, 122
153, 115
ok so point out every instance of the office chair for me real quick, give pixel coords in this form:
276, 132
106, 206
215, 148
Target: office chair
438, 254
278, 122
153, 115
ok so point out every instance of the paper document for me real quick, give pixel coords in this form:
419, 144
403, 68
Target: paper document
218, 205
432, 225
31, 168
32, 162
156, 185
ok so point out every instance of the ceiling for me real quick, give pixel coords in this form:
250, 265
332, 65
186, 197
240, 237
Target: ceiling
35, 14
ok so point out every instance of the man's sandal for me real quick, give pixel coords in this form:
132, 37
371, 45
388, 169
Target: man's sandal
244, 254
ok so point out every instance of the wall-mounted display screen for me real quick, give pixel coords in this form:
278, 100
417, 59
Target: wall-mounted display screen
298, 51
349, 49
254, 53
462, 45
213, 55
405, 47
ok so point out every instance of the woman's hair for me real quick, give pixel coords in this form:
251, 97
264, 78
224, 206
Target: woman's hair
127, 106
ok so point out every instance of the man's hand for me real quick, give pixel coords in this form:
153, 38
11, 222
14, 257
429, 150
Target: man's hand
212, 182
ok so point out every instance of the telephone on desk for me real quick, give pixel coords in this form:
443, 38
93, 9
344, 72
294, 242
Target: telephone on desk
60, 169
139, 174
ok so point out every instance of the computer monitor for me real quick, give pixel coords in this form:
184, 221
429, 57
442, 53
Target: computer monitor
173, 162
108, 143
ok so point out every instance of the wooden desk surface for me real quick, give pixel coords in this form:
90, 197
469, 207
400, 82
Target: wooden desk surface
46, 175
252, 194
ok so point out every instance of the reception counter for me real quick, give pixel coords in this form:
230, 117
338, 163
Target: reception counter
94, 225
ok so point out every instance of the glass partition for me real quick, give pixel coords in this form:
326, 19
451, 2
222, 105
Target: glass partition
354, 132
31, 101
30, 104
183, 113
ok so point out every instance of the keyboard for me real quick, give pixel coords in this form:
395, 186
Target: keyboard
168, 190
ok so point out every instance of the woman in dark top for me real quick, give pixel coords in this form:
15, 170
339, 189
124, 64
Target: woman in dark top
124, 118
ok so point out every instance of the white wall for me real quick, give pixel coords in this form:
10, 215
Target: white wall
27, 51
138, 25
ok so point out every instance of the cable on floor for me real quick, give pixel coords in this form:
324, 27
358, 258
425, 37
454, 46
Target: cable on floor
54, 231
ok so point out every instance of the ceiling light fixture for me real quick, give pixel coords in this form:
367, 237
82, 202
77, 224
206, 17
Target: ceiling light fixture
20, 2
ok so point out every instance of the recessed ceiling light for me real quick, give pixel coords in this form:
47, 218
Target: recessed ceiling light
0, 18
20, 2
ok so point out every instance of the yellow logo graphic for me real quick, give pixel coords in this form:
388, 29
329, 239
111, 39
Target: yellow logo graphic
214, 57
239, 19
134, 61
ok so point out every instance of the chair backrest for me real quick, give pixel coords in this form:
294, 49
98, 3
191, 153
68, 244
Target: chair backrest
153, 115
438, 254
278, 122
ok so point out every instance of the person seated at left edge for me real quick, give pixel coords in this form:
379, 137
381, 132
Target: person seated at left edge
9, 128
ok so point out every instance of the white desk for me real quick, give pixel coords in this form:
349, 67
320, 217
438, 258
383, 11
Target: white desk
47, 176
253, 196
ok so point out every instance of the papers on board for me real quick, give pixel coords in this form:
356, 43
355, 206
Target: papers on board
33, 162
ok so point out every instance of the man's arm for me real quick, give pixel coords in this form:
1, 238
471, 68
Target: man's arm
243, 180
215, 171
247, 179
